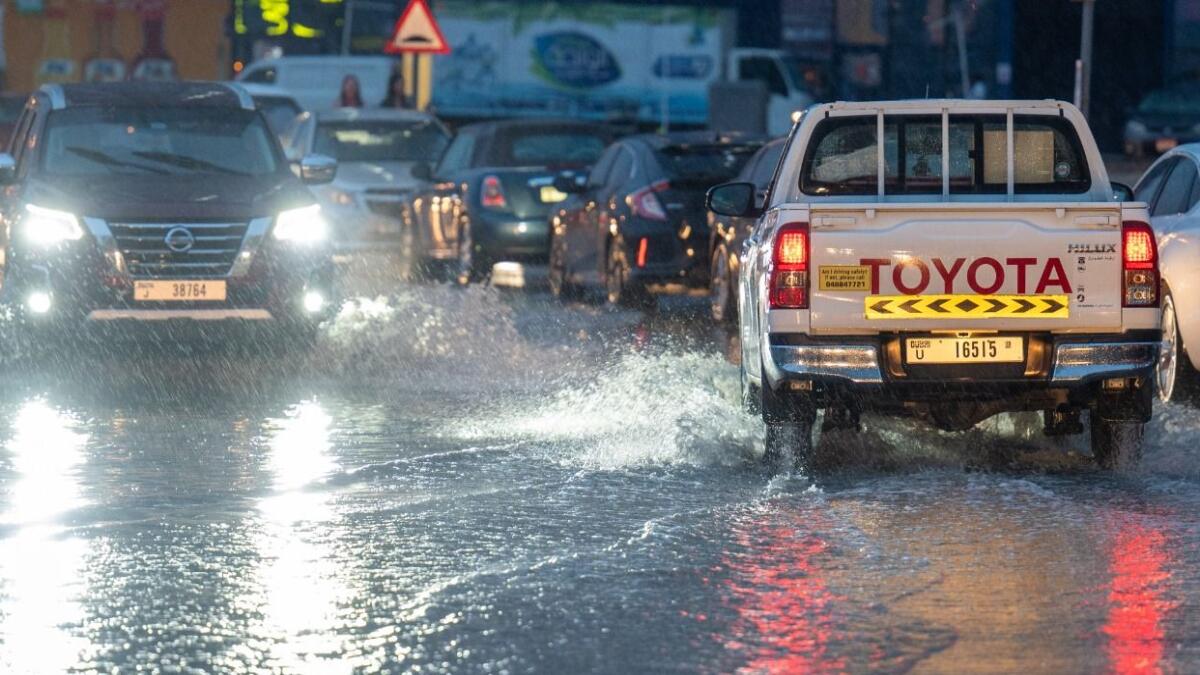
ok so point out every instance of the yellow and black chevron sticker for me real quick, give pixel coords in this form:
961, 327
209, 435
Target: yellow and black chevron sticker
967, 307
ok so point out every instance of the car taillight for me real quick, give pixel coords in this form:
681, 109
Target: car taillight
646, 204
789, 275
492, 196
1139, 265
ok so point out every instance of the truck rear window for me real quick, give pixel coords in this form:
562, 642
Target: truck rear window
842, 156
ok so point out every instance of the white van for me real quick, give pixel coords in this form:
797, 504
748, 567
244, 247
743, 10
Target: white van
316, 81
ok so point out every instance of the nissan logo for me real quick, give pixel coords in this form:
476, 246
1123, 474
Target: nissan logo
180, 240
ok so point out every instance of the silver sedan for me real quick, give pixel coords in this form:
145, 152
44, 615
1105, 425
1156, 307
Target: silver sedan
1171, 187
376, 150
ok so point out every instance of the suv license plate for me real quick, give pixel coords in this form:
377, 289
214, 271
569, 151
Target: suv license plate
920, 351
179, 291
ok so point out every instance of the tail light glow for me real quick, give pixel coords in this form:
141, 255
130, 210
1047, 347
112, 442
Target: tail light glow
643, 249
789, 276
1139, 265
647, 205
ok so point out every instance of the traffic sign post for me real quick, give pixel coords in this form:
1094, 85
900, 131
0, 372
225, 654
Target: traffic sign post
417, 35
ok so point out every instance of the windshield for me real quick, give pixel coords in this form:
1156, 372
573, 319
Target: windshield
89, 141
1184, 101
550, 147
279, 112
704, 163
400, 141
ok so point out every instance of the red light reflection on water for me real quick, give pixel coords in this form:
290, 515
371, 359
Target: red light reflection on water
1139, 563
786, 612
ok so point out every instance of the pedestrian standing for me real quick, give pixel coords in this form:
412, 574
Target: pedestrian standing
351, 94
395, 92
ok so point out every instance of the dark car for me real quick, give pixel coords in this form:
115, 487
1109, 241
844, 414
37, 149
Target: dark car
727, 235
1164, 119
137, 202
11, 106
639, 219
493, 190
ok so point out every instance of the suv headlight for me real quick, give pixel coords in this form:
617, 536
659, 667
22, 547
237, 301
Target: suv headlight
303, 225
48, 227
343, 198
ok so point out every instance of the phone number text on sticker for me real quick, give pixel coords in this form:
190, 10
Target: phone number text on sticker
845, 278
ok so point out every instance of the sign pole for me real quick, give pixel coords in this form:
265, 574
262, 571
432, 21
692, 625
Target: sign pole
416, 36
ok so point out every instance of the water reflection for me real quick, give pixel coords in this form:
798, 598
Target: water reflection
786, 611
41, 562
300, 574
1137, 604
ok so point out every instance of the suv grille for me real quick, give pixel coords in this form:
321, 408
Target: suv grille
213, 250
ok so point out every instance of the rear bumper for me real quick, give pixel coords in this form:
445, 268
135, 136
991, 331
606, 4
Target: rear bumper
1073, 362
500, 236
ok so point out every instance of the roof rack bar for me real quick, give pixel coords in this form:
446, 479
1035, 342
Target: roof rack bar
1011, 155
880, 162
945, 154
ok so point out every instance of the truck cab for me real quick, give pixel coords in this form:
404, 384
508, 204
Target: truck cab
974, 262
783, 78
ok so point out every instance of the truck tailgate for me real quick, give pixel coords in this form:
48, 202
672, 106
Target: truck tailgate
966, 267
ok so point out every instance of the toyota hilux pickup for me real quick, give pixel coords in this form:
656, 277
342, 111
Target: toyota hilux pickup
949, 261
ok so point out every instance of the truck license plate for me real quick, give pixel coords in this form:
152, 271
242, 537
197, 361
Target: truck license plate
921, 351
179, 291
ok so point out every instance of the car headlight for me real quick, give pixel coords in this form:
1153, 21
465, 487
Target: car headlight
342, 198
48, 227
302, 225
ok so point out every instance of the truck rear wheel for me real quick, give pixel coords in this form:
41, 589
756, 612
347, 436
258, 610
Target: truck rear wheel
788, 440
789, 420
1117, 446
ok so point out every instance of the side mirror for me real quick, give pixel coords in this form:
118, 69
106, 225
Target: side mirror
8, 169
318, 169
735, 200
569, 182
1121, 192
422, 171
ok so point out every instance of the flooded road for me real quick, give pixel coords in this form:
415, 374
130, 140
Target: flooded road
477, 481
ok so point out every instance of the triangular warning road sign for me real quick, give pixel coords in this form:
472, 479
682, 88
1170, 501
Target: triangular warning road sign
417, 31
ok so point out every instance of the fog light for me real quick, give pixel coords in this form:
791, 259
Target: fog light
313, 302
38, 302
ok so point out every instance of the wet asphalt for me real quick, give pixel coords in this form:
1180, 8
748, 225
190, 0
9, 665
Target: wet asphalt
480, 480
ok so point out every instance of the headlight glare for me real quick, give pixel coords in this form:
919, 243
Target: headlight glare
303, 225
48, 227
343, 198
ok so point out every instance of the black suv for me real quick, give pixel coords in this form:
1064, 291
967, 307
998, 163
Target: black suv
133, 202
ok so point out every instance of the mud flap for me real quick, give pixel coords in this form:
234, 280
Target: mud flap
1135, 404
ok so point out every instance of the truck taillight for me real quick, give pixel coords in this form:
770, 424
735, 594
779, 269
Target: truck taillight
1139, 265
492, 196
789, 276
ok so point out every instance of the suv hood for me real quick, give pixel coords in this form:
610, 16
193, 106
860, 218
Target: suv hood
188, 197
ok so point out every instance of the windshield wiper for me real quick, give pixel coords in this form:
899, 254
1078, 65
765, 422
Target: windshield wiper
108, 160
185, 162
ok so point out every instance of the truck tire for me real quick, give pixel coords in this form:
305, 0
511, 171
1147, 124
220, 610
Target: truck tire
784, 440
789, 421
1117, 446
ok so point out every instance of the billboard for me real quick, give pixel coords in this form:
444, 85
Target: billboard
600, 60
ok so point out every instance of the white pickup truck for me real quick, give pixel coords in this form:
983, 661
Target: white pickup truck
975, 262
